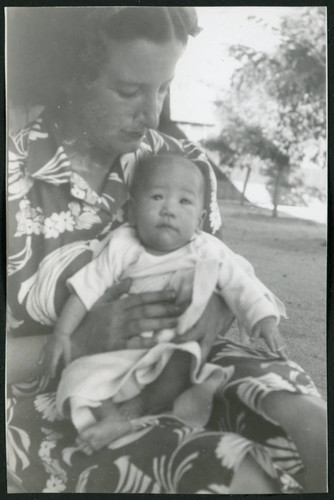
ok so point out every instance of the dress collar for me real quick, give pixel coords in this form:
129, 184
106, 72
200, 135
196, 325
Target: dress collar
47, 161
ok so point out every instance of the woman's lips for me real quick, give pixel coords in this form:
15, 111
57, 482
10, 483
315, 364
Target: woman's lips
135, 135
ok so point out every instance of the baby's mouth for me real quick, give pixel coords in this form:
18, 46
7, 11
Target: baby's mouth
166, 225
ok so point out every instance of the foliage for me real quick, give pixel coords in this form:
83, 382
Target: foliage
277, 105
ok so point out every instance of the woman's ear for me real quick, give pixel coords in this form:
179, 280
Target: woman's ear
201, 219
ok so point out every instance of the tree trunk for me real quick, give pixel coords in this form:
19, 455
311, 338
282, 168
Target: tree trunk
242, 198
276, 190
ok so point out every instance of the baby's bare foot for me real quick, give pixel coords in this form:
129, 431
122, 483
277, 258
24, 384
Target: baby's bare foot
132, 408
102, 433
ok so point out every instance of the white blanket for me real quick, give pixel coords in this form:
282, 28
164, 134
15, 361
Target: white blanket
120, 375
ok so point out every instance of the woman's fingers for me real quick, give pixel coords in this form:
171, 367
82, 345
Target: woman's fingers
116, 291
149, 311
109, 324
149, 298
138, 326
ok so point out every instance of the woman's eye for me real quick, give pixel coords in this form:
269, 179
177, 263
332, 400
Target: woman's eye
126, 94
157, 197
164, 90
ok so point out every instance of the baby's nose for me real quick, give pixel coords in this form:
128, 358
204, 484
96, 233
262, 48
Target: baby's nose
168, 208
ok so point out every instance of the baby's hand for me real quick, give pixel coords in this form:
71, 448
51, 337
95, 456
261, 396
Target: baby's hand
57, 347
267, 329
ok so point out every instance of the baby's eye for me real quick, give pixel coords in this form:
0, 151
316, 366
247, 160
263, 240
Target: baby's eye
157, 197
185, 201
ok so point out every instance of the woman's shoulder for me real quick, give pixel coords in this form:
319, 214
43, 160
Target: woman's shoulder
37, 128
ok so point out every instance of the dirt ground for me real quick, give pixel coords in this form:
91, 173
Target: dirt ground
289, 256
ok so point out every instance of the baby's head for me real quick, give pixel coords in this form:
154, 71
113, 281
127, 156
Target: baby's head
167, 205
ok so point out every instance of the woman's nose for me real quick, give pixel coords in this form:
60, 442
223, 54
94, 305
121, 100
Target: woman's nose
152, 107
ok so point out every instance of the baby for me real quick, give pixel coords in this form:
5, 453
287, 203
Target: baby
162, 247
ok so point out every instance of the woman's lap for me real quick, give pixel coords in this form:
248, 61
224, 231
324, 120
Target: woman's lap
164, 455
251, 375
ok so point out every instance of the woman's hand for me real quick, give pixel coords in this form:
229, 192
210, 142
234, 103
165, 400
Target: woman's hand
216, 320
115, 323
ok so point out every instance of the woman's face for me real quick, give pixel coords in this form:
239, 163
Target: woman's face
114, 111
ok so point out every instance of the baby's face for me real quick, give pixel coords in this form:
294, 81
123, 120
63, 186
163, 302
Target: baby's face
168, 209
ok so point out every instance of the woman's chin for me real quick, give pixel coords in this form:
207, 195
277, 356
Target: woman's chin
128, 143
116, 146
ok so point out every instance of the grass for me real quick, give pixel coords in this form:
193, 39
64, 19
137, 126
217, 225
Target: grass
289, 256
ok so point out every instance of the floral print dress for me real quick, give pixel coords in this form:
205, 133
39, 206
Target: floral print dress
56, 224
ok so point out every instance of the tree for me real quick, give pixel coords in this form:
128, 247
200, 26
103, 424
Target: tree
276, 109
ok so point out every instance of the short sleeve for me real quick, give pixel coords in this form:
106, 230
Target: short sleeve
93, 280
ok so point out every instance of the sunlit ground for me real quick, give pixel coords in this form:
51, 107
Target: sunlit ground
289, 256
257, 193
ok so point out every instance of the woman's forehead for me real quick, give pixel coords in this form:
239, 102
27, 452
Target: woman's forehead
141, 61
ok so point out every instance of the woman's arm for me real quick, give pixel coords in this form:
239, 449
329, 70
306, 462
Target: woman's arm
108, 326
22, 356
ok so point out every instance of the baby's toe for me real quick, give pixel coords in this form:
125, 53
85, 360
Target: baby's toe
80, 443
92, 439
84, 443
87, 450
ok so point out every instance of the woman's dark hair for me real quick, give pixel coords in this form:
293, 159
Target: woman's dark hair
48, 47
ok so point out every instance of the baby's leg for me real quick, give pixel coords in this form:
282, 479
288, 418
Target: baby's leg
112, 426
161, 394
115, 419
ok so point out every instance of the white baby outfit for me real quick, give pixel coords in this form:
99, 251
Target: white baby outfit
203, 266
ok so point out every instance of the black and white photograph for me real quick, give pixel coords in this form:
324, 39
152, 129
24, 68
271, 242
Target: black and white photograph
166, 226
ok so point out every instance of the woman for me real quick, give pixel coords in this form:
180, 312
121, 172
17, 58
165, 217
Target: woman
67, 187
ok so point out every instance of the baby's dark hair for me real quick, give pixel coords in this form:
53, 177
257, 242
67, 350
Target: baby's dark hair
146, 164
49, 47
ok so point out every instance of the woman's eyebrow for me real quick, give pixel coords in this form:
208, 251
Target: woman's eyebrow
129, 83
124, 83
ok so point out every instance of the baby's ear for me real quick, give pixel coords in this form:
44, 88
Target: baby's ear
202, 219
